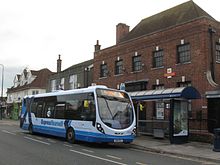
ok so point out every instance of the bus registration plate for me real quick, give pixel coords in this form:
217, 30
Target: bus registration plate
118, 140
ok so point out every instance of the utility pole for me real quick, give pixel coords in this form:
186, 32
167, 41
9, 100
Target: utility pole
2, 91
2, 81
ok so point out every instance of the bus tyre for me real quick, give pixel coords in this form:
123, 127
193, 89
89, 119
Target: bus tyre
70, 135
30, 129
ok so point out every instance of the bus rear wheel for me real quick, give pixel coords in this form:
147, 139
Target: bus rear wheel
70, 135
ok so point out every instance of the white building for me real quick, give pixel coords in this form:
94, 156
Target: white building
29, 82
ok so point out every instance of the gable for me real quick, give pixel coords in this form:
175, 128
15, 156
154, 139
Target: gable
180, 14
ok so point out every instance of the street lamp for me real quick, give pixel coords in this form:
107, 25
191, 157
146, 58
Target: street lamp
2, 81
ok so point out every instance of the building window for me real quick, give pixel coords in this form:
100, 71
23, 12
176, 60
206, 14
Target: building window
73, 81
158, 59
103, 70
61, 86
35, 92
184, 84
53, 85
183, 53
157, 87
136, 63
135, 86
217, 52
118, 67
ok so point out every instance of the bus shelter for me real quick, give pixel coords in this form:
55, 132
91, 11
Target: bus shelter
177, 101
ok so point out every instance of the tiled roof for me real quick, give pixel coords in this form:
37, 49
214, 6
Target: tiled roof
39, 82
180, 14
82, 64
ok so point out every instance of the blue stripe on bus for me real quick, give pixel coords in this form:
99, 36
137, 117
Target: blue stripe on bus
25, 126
80, 135
99, 137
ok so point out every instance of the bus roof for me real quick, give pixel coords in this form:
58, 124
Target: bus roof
62, 92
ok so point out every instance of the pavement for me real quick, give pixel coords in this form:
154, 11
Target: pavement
192, 150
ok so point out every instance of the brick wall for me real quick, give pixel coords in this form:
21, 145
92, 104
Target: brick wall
194, 32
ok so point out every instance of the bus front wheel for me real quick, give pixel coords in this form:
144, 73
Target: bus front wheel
70, 135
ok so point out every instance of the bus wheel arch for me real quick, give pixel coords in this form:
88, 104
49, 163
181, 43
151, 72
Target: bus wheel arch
70, 135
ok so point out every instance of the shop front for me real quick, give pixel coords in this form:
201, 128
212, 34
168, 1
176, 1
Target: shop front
213, 99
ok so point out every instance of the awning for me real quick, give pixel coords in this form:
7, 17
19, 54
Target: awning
169, 93
213, 94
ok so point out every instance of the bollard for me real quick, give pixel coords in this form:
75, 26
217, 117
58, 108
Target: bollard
217, 140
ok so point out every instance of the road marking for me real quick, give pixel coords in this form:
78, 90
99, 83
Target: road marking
51, 140
169, 155
140, 163
68, 145
208, 163
40, 138
114, 157
97, 157
11, 133
39, 141
88, 150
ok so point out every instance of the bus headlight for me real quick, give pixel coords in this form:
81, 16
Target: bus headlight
99, 128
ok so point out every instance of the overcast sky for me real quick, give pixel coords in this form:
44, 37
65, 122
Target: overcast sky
34, 32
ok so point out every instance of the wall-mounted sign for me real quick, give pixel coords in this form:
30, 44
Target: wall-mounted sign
169, 73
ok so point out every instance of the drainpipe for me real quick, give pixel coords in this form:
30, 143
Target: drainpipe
211, 72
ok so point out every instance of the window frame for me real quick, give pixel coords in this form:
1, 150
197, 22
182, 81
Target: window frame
158, 61
136, 63
73, 81
103, 70
217, 52
183, 53
118, 67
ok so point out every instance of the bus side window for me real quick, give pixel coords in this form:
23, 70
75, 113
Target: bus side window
49, 110
34, 108
39, 109
88, 112
73, 110
59, 111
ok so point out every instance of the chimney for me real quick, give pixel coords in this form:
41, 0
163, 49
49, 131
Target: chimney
97, 46
59, 61
121, 31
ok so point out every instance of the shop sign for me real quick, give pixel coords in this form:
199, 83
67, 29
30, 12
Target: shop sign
169, 73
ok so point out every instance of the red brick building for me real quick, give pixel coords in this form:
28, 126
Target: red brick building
177, 47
